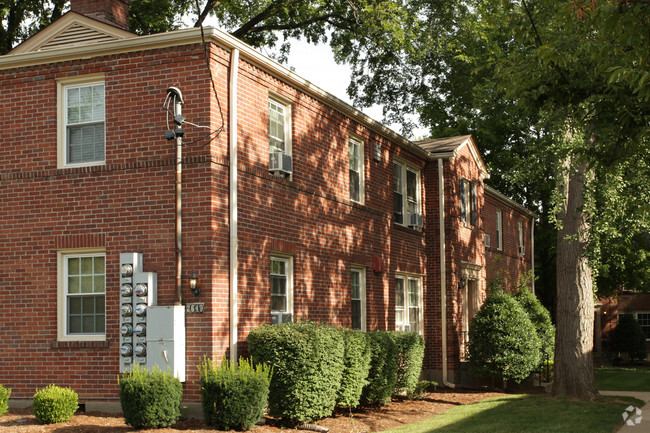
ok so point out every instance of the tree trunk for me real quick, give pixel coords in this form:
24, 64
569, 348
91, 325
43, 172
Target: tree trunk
574, 367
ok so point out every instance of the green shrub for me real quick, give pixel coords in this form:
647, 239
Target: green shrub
382, 376
54, 404
410, 353
234, 398
502, 340
356, 363
541, 319
4, 399
150, 399
421, 387
629, 337
307, 363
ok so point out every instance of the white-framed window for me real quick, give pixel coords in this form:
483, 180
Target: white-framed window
520, 230
468, 202
279, 125
356, 156
82, 294
406, 192
81, 117
408, 303
281, 285
499, 230
358, 298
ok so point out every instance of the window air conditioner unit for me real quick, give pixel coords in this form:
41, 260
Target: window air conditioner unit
522, 250
278, 317
280, 164
416, 220
487, 241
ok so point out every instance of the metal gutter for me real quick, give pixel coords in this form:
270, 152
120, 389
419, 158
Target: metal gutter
443, 273
233, 220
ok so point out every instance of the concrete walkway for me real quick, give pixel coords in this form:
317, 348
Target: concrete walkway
644, 426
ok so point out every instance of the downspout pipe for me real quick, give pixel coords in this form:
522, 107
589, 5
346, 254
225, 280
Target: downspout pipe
233, 271
443, 273
177, 98
532, 252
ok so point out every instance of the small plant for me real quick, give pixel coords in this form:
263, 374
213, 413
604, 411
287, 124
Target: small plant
54, 404
4, 399
150, 399
234, 398
422, 387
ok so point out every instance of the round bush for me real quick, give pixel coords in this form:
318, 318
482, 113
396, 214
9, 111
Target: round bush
4, 399
307, 363
382, 376
234, 398
150, 399
541, 319
502, 340
54, 404
629, 337
356, 366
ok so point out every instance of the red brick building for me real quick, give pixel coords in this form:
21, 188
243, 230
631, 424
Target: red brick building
293, 205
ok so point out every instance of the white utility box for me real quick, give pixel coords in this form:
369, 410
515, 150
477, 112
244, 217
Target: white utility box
166, 339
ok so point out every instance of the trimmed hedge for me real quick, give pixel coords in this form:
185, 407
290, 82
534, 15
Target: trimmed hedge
150, 399
410, 354
541, 319
629, 337
356, 367
382, 376
307, 363
502, 340
54, 404
233, 398
4, 399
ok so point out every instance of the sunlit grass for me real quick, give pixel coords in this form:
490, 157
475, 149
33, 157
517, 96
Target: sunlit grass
527, 414
623, 379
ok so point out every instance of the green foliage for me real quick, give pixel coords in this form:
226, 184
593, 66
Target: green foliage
150, 398
421, 387
307, 362
410, 354
541, 320
233, 398
629, 337
356, 367
382, 376
4, 399
502, 340
54, 404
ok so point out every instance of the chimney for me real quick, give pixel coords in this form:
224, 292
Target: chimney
114, 12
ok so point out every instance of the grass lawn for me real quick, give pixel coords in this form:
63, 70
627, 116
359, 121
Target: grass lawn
527, 414
623, 379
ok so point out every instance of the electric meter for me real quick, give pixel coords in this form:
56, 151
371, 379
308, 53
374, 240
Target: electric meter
126, 290
126, 330
126, 349
141, 309
141, 330
126, 310
141, 289
140, 349
126, 270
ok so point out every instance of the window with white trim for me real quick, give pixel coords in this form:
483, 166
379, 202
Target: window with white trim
406, 193
468, 202
279, 126
281, 285
358, 298
499, 230
408, 303
82, 294
520, 229
356, 157
82, 135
